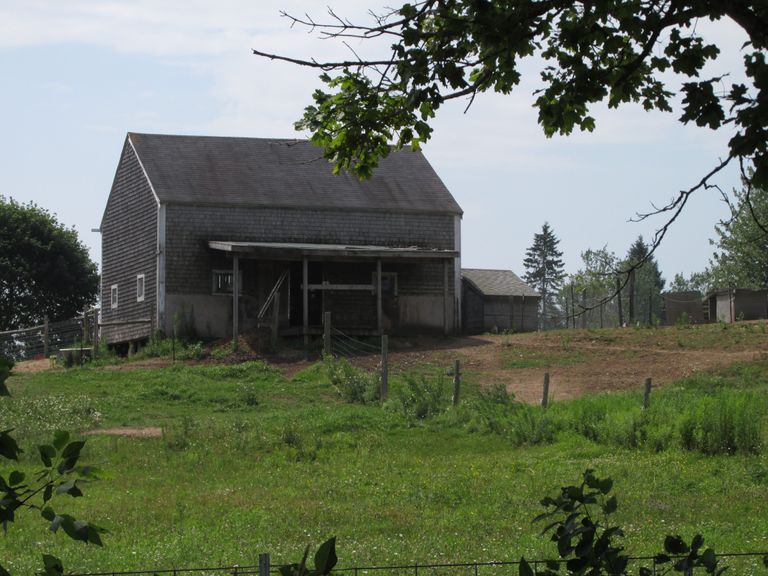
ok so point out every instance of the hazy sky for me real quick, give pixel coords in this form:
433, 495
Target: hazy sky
76, 76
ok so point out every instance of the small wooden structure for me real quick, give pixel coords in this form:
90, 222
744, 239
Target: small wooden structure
497, 300
732, 304
679, 305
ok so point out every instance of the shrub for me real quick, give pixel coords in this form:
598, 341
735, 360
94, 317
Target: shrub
723, 424
354, 385
421, 397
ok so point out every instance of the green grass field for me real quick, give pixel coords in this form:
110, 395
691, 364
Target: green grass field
250, 461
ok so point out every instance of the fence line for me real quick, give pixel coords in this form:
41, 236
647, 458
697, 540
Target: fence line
50, 337
755, 566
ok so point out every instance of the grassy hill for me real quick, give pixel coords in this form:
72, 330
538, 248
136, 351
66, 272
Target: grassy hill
216, 463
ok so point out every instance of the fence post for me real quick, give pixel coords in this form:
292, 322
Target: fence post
647, 394
545, 392
456, 382
263, 564
45, 337
275, 318
327, 334
384, 367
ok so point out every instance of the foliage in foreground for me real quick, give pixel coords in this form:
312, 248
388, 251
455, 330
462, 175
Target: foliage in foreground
60, 475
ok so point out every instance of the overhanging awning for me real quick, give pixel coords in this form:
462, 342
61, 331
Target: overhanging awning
290, 250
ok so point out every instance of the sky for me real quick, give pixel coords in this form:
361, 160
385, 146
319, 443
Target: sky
76, 76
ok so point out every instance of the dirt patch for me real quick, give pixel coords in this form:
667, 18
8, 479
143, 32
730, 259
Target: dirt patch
144, 432
30, 366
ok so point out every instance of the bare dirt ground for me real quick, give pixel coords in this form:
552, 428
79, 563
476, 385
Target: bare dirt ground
145, 432
578, 361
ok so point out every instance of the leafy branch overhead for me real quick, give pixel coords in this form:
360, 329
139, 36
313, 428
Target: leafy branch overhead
602, 51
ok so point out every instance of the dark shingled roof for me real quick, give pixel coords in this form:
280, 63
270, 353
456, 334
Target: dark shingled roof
497, 282
283, 173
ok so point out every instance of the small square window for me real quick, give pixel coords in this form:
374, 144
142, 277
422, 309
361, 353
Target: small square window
222, 281
140, 288
113, 296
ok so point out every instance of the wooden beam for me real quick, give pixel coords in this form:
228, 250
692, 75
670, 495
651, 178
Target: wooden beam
365, 287
235, 300
379, 323
445, 297
305, 296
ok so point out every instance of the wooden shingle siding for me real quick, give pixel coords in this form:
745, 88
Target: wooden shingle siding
129, 243
188, 229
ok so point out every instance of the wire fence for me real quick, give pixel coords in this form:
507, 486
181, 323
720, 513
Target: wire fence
38, 342
347, 346
742, 564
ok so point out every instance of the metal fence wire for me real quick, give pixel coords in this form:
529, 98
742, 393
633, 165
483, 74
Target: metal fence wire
344, 345
741, 564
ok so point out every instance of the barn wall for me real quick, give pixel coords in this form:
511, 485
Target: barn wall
750, 304
128, 248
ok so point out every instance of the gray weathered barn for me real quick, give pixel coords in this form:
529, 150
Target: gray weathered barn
731, 304
210, 234
494, 300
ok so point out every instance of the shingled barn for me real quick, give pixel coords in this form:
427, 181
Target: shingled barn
216, 235
498, 300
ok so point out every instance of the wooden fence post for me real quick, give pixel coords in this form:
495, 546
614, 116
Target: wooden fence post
46, 338
263, 564
384, 390
275, 318
327, 350
545, 393
647, 394
456, 382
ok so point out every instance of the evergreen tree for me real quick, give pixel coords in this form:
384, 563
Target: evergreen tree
544, 269
742, 257
643, 291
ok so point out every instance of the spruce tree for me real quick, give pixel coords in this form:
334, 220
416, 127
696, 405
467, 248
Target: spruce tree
544, 269
645, 284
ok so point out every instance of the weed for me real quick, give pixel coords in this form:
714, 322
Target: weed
353, 384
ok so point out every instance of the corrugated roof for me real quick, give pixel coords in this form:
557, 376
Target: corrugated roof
497, 282
283, 173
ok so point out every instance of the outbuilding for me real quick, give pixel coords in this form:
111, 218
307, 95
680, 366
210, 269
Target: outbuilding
732, 304
497, 300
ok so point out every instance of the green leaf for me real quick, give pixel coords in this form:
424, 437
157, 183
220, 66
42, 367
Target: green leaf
47, 454
325, 557
524, 569
709, 560
69, 487
16, 478
60, 439
675, 545
8, 447
610, 506
3, 571
53, 566
698, 542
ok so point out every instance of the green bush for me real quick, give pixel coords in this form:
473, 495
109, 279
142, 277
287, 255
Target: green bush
354, 385
420, 397
724, 424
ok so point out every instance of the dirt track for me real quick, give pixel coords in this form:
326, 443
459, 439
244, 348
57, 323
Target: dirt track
578, 361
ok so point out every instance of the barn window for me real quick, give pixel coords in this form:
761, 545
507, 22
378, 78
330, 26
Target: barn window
140, 288
222, 281
113, 296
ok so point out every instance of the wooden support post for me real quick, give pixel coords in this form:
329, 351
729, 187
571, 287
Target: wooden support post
235, 301
264, 565
379, 323
545, 392
327, 334
647, 393
305, 297
445, 297
85, 329
384, 375
632, 310
573, 309
456, 382
275, 318
46, 338
584, 308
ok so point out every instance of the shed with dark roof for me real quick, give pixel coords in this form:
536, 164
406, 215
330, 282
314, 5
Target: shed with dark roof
497, 300
192, 221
